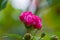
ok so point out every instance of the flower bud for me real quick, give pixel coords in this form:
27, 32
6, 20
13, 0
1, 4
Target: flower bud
27, 36
42, 35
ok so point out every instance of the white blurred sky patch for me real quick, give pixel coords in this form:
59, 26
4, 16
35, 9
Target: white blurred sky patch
20, 4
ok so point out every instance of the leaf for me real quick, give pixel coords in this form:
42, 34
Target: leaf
3, 4
12, 36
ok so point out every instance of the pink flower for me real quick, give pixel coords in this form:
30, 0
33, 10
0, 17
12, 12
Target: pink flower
30, 19
26, 17
37, 23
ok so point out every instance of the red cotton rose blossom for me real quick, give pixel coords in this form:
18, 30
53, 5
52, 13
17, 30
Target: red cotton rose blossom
26, 17
30, 19
37, 23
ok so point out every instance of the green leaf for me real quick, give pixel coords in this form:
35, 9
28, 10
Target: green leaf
3, 4
12, 36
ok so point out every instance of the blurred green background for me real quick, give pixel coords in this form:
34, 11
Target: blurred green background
10, 23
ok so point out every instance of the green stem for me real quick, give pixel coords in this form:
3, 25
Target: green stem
34, 34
